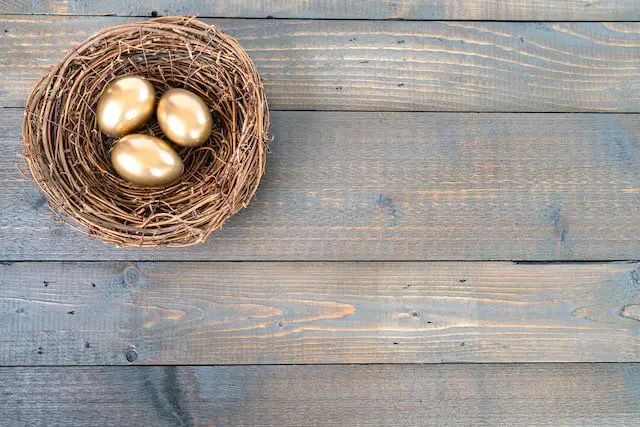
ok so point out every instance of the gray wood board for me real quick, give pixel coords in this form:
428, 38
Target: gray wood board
97, 313
388, 65
442, 395
497, 10
394, 186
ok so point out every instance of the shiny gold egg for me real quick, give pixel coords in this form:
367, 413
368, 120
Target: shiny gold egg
184, 117
146, 160
125, 105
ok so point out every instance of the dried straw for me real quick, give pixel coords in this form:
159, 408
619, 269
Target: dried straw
69, 158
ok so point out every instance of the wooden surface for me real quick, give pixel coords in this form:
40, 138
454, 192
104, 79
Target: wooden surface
389, 65
498, 10
442, 395
420, 147
220, 313
395, 186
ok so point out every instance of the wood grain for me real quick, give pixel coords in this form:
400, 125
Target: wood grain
395, 186
64, 313
442, 395
497, 10
389, 65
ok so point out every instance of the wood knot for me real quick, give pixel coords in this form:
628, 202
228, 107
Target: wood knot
131, 355
131, 276
631, 311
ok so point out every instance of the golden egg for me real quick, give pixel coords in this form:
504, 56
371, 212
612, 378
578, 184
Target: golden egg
125, 105
184, 117
146, 160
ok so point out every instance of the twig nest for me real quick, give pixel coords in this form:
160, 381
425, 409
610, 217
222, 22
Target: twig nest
69, 158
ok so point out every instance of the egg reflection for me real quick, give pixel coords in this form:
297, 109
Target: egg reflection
125, 105
184, 117
146, 160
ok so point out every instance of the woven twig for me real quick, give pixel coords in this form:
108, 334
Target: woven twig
69, 158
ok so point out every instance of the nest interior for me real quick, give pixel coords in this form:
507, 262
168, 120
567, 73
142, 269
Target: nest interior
69, 158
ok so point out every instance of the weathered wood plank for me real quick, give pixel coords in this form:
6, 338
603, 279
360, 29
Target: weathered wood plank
498, 10
395, 186
389, 65
442, 395
63, 313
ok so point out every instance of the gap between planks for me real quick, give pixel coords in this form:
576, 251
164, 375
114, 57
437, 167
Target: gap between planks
273, 18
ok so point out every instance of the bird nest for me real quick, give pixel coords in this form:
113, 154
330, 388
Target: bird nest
69, 158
